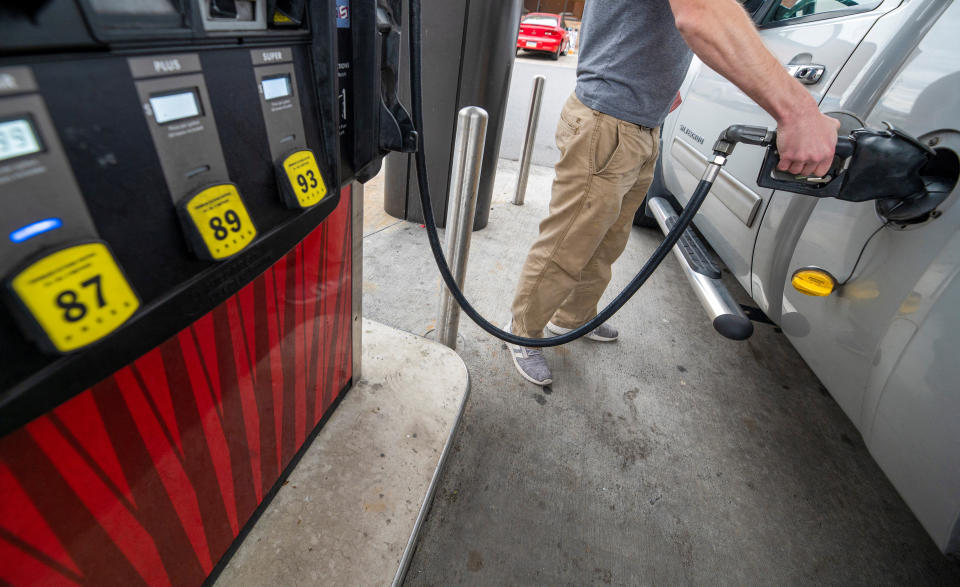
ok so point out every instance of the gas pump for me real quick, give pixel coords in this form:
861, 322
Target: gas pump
175, 267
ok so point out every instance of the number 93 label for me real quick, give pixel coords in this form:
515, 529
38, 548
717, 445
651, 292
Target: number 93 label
76, 295
217, 222
304, 184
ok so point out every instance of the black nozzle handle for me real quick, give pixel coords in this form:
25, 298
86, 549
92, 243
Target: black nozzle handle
845, 147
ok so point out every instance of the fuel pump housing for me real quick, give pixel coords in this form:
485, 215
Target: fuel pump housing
175, 267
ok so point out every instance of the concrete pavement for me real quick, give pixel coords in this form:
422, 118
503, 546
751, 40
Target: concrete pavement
672, 456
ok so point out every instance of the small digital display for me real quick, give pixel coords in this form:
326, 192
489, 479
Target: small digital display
17, 138
133, 7
171, 107
276, 87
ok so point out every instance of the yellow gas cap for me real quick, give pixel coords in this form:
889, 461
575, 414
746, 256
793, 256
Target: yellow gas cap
813, 281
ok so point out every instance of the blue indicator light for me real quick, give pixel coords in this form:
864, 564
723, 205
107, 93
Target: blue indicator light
33, 229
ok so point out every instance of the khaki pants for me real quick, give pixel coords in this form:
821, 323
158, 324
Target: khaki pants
605, 168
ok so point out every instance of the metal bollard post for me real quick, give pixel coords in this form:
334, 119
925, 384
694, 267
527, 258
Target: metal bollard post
461, 208
533, 118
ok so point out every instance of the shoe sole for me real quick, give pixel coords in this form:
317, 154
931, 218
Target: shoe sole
554, 329
523, 373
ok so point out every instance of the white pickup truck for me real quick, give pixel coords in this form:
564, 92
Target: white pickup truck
886, 341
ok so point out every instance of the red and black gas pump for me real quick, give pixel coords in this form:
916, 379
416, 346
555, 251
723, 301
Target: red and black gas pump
176, 267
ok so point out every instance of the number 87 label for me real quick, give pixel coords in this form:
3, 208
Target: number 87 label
76, 295
217, 222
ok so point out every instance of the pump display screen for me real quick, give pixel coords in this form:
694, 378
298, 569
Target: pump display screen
276, 87
171, 107
17, 138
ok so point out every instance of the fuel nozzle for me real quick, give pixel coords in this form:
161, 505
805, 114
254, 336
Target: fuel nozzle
886, 165
870, 164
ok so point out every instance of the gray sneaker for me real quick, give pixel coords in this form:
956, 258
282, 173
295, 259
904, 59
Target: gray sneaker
529, 362
602, 333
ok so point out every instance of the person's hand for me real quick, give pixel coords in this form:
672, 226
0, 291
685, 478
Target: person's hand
807, 143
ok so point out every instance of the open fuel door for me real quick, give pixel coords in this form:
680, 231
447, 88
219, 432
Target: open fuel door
812, 39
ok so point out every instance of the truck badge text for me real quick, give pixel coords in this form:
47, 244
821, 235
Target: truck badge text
691, 134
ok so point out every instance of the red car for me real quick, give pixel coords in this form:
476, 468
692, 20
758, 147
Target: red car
540, 31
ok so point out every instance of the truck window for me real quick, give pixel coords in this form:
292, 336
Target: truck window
784, 10
541, 20
751, 6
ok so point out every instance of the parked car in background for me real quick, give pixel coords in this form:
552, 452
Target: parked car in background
885, 341
544, 32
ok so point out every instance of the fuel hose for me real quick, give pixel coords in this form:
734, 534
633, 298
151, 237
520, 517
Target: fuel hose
693, 205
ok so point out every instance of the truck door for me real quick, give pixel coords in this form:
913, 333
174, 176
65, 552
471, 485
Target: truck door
813, 39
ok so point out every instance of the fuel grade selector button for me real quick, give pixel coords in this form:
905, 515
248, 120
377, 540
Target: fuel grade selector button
72, 297
299, 179
216, 222
301, 182
175, 101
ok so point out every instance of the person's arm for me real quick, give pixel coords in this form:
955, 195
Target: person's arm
722, 35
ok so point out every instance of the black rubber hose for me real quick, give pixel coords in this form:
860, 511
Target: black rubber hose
416, 93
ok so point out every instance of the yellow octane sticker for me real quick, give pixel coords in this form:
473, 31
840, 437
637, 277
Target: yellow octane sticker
813, 282
222, 220
77, 295
305, 178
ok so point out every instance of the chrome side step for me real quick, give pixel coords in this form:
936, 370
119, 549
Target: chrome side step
725, 313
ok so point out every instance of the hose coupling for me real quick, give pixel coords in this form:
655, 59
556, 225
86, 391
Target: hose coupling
742, 133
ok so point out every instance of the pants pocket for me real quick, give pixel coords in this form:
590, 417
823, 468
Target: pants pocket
569, 126
565, 133
607, 148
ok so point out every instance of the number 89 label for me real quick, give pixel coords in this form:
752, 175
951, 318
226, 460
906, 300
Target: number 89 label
218, 221
76, 295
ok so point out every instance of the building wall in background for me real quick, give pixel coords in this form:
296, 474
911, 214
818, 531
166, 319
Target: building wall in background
574, 7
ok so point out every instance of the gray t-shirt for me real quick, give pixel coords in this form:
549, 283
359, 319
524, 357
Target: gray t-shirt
632, 59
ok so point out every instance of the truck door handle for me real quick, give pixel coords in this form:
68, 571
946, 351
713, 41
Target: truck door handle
807, 73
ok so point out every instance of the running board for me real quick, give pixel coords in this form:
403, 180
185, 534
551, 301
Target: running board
704, 277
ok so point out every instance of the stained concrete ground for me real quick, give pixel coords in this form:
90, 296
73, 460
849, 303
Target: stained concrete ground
672, 456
